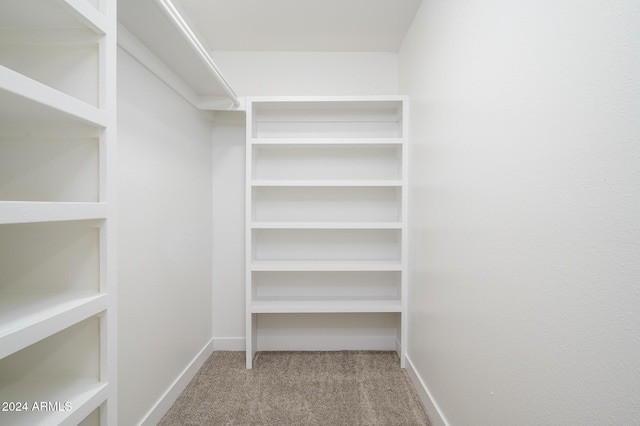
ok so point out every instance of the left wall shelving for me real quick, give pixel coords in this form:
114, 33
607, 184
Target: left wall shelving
57, 212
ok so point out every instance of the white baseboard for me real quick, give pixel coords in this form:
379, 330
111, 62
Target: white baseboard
229, 344
167, 399
430, 405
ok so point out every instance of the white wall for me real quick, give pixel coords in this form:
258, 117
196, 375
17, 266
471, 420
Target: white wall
525, 209
271, 74
164, 237
228, 230
309, 73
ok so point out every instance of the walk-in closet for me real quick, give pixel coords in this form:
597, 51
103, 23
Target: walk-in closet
450, 185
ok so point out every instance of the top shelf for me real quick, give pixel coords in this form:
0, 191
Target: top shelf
321, 118
328, 103
68, 14
50, 62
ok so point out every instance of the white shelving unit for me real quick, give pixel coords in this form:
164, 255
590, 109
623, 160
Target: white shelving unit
57, 212
326, 209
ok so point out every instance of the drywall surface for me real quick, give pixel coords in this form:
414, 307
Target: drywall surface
228, 230
309, 73
164, 237
525, 209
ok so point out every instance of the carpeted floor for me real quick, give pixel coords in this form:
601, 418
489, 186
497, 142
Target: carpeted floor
299, 388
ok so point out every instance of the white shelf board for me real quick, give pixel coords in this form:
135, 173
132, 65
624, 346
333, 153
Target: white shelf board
84, 395
32, 212
48, 14
330, 104
24, 99
326, 225
26, 318
88, 15
48, 36
326, 141
150, 25
324, 306
327, 183
348, 117
328, 265
374, 100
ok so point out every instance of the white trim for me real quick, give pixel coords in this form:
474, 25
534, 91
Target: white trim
431, 406
229, 344
160, 408
54, 100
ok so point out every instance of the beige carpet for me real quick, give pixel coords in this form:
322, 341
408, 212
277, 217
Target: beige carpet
299, 388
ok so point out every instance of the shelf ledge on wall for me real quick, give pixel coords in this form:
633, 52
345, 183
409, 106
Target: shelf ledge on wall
158, 35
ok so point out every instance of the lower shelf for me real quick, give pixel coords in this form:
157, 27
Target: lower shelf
51, 402
26, 318
324, 331
281, 305
326, 265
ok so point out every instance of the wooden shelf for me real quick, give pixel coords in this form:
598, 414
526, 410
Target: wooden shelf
34, 35
326, 141
326, 225
327, 183
13, 212
336, 305
340, 204
84, 396
88, 15
26, 318
24, 99
52, 14
48, 36
327, 265
187, 59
